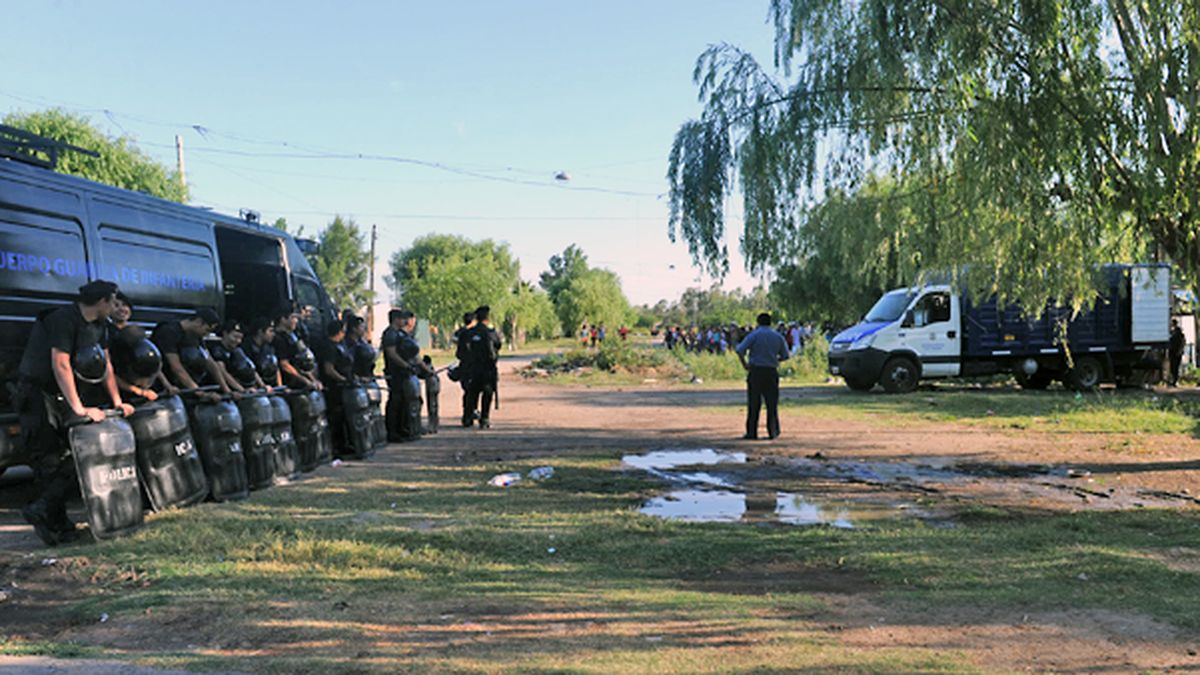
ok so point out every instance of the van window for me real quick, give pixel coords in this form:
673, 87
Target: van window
307, 293
41, 255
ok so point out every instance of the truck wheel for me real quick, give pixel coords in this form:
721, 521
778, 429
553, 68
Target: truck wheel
1086, 375
899, 376
1038, 381
859, 384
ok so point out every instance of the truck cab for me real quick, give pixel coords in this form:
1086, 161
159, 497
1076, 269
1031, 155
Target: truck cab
909, 334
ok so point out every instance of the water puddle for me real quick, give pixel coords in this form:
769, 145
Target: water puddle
709, 485
713, 497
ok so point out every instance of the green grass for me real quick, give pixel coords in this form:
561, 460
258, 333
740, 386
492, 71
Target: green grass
1107, 412
387, 569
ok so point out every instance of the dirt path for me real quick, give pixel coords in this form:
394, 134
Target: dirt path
540, 420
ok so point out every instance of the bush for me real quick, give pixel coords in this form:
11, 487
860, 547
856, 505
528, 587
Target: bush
611, 357
810, 365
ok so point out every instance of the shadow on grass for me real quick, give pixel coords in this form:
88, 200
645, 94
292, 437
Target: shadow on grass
432, 566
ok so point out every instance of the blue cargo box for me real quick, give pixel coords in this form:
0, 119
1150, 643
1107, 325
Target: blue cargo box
990, 330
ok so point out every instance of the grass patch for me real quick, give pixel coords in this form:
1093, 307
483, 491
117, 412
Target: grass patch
426, 567
10, 646
1108, 412
808, 367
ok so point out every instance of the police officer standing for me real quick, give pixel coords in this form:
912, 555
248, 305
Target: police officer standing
1175, 347
336, 364
460, 352
68, 346
480, 351
398, 371
296, 360
760, 353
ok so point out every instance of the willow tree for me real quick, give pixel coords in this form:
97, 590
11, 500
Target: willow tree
1015, 143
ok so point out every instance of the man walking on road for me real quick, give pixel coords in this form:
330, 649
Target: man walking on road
766, 349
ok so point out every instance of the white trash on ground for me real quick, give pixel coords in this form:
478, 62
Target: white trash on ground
504, 479
541, 473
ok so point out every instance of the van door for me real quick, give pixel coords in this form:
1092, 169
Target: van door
932, 331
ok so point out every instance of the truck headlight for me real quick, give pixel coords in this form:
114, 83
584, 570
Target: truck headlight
863, 342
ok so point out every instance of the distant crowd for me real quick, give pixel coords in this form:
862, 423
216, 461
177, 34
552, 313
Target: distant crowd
720, 339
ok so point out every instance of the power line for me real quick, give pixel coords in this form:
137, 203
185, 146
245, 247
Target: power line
311, 152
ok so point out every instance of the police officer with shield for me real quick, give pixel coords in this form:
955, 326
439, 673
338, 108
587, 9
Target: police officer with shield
188, 363
402, 365
65, 373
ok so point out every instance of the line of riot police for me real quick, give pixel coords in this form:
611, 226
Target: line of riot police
247, 410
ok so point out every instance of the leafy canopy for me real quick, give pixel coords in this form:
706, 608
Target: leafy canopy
120, 164
595, 297
1015, 144
442, 276
342, 262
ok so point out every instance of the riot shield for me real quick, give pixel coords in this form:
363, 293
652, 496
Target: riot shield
217, 430
169, 466
106, 462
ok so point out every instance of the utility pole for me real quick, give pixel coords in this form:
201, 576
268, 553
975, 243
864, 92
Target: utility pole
179, 161
371, 284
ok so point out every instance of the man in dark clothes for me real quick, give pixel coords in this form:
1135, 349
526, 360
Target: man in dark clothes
291, 349
261, 353
482, 344
231, 359
67, 348
186, 362
766, 349
1175, 351
398, 370
459, 350
337, 370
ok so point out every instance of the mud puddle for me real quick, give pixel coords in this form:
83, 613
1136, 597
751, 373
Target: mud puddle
721, 494
710, 485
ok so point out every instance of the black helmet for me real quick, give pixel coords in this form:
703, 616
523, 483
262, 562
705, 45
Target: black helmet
304, 361
268, 366
408, 349
90, 364
242, 368
146, 360
364, 359
193, 358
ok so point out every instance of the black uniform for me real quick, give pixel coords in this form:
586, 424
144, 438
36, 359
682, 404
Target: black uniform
480, 349
404, 398
286, 346
337, 353
1175, 352
41, 408
171, 338
460, 353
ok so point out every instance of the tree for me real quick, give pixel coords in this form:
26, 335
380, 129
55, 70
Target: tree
527, 312
343, 262
120, 164
1034, 139
442, 276
594, 296
563, 269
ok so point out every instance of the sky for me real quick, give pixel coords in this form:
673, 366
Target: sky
417, 117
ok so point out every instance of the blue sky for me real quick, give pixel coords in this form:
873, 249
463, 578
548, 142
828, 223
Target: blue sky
491, 99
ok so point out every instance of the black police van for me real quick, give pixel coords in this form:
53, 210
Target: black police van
58, 232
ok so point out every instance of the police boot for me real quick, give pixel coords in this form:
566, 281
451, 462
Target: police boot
37, 514
60, 521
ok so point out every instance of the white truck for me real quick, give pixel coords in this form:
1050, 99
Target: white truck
929, 332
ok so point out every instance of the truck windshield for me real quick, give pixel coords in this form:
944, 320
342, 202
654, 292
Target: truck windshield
890, 307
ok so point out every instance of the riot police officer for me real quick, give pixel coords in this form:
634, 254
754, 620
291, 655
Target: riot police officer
336, 364
399, 354
479, 350
237, 368
297, 364
65, 372
261, 352
188, 363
